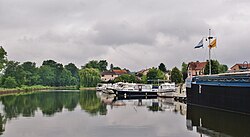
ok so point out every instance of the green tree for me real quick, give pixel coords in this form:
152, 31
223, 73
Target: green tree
214, 67
92, 64
162, 67
117, 68
3, 58
176, 75
184, 69
10, 82
155, 74
75, 79
65, 78
126, 78
89, 77
47, 76
103, 65
31, 73
73, 69
57, 69
111, 66
13, 69
223, 68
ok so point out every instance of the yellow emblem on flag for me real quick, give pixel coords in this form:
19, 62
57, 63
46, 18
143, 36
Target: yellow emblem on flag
212, 44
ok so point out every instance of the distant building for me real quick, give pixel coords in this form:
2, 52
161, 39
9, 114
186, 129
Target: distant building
238, 67
196, 68
112, 74
142, 72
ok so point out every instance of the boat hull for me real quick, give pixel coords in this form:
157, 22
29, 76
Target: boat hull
232, 98
135, 93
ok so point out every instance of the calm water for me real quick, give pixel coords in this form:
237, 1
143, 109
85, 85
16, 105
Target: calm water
91, 114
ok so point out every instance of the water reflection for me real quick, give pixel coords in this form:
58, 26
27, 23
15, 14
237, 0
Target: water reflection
112, 116
49, 103
154, 104
212, 122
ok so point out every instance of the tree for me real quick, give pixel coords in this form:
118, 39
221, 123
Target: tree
116, 68
65, 78
223, 68
10, 82
162, 67
47, 75
176, 75
214, 67
75, 79
13, 69
184, 69
3, 58
89, 77
155, 74
111, 66
92, 64
126, 78
73, 69
31, 73
103, 65
56, 68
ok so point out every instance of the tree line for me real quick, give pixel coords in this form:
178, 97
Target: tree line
51, 73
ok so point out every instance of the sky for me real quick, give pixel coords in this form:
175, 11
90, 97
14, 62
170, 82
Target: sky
132, 34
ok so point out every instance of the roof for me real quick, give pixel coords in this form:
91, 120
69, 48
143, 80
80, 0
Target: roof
114, 72
108, 73
242, 66
197, 65
120, 72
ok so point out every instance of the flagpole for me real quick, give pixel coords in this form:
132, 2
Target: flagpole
210, 65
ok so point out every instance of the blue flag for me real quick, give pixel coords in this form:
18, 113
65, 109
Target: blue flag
200, 44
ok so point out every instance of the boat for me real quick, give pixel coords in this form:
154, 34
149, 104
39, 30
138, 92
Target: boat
133, 89
166, 90
101, 86
228, 91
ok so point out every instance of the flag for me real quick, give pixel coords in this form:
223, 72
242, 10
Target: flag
212, 44
200, 44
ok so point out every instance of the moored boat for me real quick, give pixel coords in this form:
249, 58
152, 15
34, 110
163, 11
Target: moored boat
229, 91
166, 90
132, 89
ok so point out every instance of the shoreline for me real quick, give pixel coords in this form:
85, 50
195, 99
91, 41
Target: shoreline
30, 89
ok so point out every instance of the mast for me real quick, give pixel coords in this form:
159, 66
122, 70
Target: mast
209, 38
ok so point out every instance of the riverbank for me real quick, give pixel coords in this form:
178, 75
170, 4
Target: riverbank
25, 89
87, 88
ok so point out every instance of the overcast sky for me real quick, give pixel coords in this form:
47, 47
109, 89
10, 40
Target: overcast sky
134, 34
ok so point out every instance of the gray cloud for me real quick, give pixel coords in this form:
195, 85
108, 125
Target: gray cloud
131, 34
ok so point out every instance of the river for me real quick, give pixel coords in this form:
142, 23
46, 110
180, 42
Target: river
93, 114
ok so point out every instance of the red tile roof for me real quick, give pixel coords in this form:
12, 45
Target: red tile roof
242, 66
114, 72
120, 72
197, 65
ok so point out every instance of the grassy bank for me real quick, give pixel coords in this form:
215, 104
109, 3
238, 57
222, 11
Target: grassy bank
87, 88
24, 89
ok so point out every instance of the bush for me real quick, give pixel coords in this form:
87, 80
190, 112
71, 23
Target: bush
10, 82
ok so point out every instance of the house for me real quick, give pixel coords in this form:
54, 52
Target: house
196, 68
238, 67
112, 74
142, 72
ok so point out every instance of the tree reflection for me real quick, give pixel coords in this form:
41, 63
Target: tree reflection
49, 103
2, 124
91, 104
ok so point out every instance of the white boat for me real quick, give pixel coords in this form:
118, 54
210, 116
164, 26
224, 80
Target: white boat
166, 90
101, 86
133, 89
